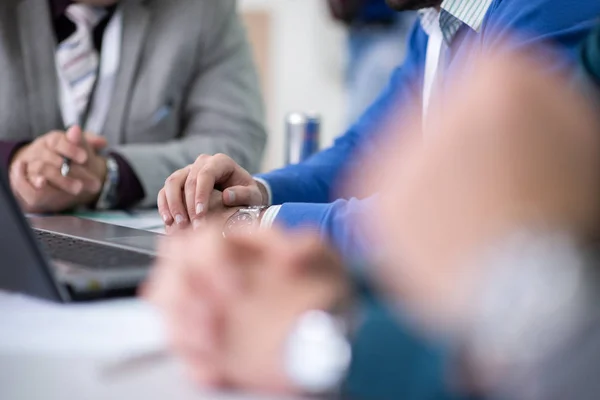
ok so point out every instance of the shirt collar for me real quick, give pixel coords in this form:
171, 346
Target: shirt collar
453, 14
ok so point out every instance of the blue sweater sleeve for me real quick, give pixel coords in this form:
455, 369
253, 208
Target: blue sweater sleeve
563, 23
313, 181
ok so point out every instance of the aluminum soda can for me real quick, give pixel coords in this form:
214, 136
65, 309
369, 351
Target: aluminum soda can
303, 133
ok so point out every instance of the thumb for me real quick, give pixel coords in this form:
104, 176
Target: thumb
74, 135
242, 196
96, 142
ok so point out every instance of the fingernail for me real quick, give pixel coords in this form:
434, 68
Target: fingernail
179, 219
231, 195
196, 224
165, 218
199, 208
39, 182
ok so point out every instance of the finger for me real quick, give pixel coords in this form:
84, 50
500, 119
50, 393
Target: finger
74, 135
242, 196
246, 250
24, 189
215, 205
18, 178
209, 172
204, 254
174, 187
51, 158
194, 327
91, 183
193, 210
59, 144
204, 373
191, 307
163, 208
96, 142
54, 177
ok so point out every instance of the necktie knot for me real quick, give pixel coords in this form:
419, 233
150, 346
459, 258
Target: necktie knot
84, 16
77, 58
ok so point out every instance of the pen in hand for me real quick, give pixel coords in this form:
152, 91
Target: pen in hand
66, 163
135, 362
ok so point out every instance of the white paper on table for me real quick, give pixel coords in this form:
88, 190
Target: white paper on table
54, 351
111, 329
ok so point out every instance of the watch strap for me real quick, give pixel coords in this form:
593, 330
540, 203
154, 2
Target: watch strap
108, 195
318, 353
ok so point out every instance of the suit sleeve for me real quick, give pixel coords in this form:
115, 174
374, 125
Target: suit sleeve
223, 111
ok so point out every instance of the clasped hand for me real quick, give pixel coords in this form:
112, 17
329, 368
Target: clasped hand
213, 188
35, 171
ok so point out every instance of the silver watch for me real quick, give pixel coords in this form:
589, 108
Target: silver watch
244, 221
317, 354
108, 195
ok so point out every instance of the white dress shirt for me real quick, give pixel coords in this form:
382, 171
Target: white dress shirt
110, 59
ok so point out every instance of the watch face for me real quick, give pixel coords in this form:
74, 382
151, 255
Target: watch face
241, 223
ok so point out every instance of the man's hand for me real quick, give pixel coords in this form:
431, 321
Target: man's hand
218, 216
187, 195
35, 171
230, 304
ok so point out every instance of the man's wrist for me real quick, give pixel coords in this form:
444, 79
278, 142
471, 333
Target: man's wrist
107, 197
265, 191
318, 353
268, 216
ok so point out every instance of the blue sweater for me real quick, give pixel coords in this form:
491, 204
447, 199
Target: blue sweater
308, 190
376, 10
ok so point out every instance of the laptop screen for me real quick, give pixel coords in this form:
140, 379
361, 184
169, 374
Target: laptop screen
23, 268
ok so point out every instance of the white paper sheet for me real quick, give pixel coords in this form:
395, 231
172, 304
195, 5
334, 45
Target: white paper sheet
53, 352
120, 328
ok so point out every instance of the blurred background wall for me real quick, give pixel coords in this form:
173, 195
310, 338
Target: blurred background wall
300, 52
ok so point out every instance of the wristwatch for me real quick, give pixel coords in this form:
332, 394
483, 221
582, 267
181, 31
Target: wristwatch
244, 221
108, 195
318, 353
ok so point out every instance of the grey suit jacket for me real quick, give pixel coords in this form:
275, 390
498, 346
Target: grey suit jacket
190, 56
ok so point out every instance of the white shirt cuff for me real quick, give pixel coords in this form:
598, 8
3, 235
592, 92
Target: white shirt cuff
268, 188
269, 217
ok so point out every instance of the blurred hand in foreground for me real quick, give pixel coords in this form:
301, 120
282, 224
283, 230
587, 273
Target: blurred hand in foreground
230, 304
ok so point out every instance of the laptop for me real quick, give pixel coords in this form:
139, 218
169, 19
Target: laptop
64, 258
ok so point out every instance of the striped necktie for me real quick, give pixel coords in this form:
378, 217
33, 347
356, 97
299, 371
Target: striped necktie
77, 58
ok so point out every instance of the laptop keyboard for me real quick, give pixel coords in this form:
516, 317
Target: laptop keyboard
89, 254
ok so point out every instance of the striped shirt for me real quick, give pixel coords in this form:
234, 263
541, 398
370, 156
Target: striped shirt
453, 15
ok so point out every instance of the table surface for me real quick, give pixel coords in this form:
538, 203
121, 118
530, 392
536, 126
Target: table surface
108, 350
34, 377
148, 220
31, 368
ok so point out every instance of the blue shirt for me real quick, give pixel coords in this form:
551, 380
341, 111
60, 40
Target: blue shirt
307, 191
